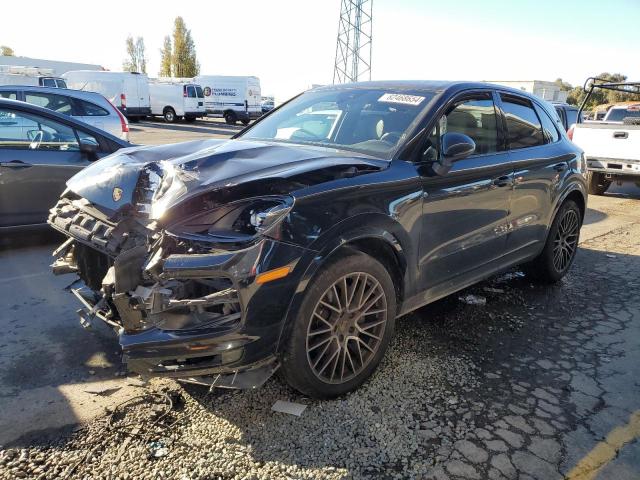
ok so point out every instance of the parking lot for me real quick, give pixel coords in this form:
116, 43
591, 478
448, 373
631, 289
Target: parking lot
541, 382
157, 132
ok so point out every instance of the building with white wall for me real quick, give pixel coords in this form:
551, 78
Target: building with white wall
57, 67
546, 90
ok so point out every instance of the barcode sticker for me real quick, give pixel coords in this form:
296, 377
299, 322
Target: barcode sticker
401, 98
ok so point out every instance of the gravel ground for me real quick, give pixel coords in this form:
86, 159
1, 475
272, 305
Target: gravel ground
522, 387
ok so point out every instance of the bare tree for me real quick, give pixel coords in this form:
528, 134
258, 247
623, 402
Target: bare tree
136, 61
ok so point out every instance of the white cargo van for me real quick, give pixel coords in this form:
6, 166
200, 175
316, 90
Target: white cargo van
235, 98
129, 91
175, 100
35, 76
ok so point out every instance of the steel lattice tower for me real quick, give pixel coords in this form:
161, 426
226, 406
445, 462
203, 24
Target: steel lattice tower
353, 50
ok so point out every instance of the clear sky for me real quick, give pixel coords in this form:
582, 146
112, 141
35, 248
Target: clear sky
290, 44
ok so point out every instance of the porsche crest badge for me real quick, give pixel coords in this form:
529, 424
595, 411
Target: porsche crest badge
117, 194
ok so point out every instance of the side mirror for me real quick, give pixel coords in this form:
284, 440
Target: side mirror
456, 146
89, 147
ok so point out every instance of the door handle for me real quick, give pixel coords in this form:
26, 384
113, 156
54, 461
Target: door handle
620, 134
560, 167
15, 164
503, 181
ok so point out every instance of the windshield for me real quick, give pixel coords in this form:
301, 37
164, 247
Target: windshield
371, 121
619, 114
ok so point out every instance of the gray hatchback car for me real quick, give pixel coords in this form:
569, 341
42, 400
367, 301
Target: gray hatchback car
88, 107
39, 151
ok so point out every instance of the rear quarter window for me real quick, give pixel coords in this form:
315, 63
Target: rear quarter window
549, 129
92, 110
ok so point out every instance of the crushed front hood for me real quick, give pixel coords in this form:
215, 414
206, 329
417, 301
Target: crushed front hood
119, 182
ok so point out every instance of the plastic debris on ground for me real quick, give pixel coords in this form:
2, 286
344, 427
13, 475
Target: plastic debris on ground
157, 449
509, 276
473, 300
288, 407
493, 290
107, 392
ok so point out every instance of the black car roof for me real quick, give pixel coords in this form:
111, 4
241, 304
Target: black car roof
435, 86
35, 109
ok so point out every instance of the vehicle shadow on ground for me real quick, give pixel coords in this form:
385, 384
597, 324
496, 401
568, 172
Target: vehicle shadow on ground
594, 216
43, 347
453, 370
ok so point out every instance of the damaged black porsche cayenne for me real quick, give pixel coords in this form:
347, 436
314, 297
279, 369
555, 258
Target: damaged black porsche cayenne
296, 244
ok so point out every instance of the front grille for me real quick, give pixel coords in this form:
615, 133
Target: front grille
76, 219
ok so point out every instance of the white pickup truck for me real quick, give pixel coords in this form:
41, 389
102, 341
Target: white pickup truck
611, 147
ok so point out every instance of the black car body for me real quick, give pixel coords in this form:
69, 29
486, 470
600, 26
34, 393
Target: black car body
39, 151
202, 255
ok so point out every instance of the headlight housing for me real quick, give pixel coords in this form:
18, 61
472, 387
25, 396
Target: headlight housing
238, 221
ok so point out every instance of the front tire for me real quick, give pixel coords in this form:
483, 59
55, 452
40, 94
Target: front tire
169, 115
597, 183
231, 118
561, 246
342, 328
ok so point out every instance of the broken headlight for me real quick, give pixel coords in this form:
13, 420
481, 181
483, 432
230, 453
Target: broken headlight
238, 221
170, 187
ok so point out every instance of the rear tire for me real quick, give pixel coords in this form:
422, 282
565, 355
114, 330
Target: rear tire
561, 246
342, 329
231, 118
189, 119
169, 115
597, 183
245, 122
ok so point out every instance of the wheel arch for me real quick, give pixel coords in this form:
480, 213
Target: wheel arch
575, 191
378, 241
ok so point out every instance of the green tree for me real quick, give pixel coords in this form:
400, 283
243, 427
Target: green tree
166, 58
136, 61
185, 63
6, 51
564, 86
600, 96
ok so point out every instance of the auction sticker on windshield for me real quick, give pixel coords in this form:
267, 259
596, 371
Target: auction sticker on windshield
401, 98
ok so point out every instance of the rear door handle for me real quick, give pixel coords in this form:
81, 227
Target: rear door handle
620, 134
560, 167
503, 181
15, 164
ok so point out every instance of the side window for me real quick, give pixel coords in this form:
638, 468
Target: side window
523, 126
57, 103
47, 82
19, 130
191, 91
60, 83
572, 117
11, 95
199, 93
549, 130
92, 110
476, 118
